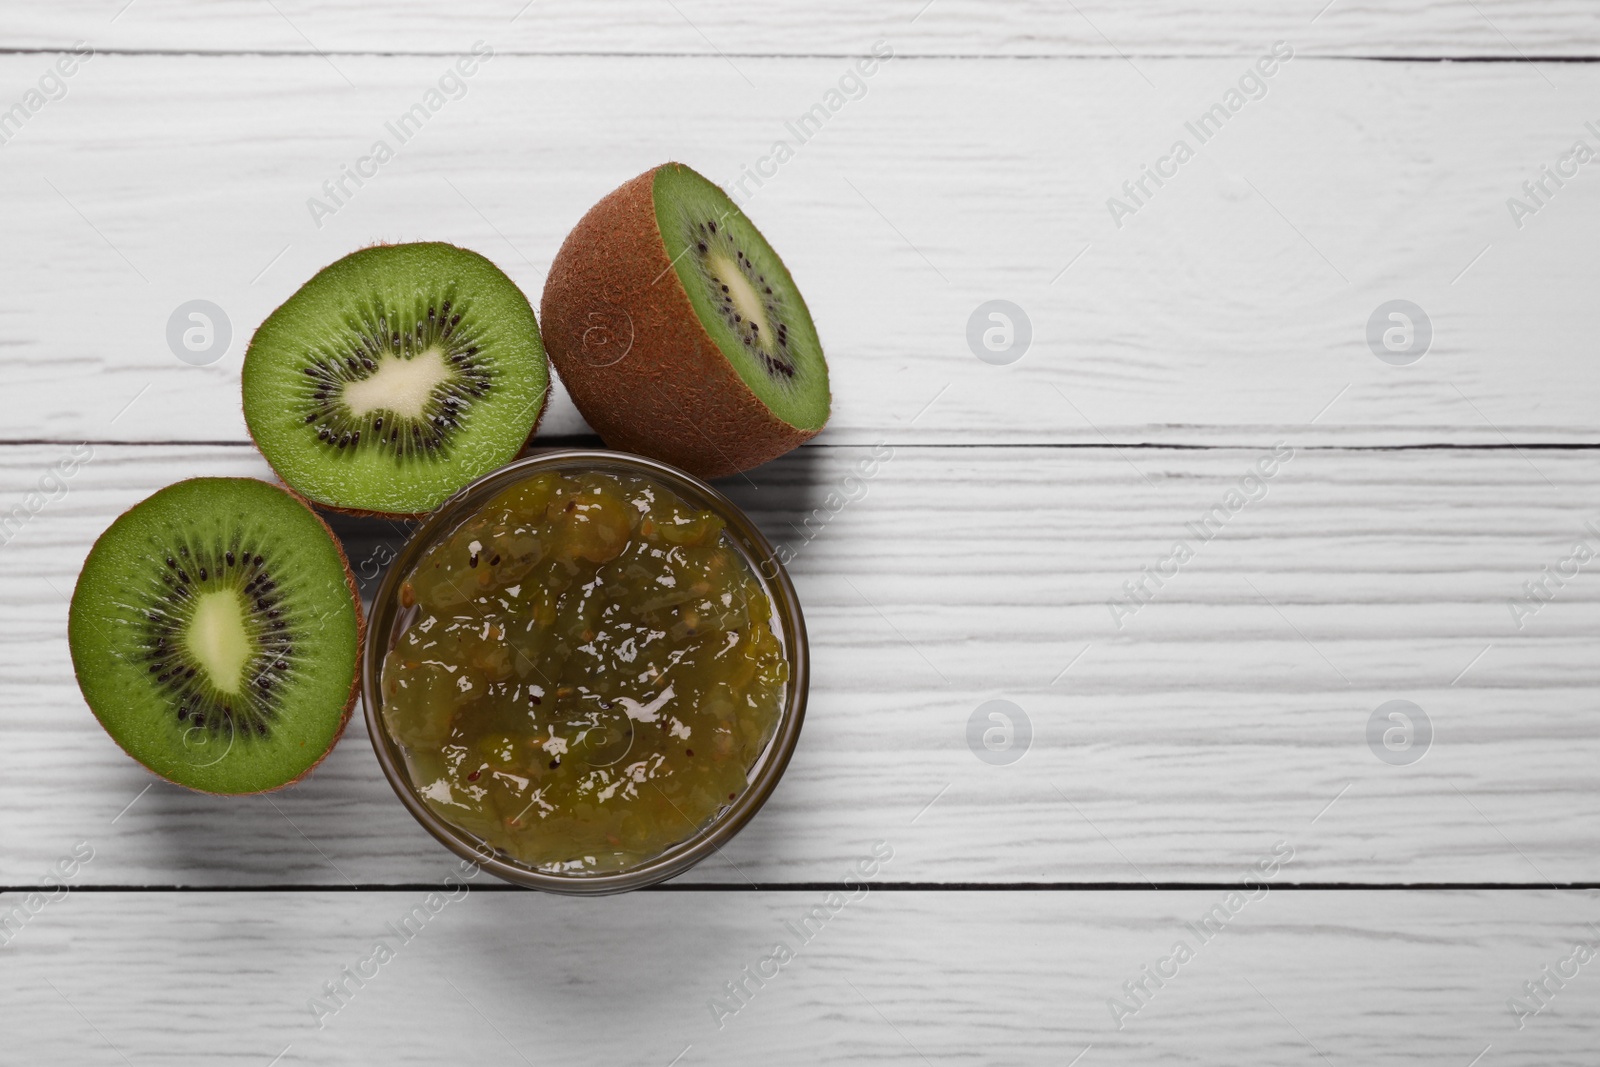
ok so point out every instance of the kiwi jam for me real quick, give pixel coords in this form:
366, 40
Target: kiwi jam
587, 673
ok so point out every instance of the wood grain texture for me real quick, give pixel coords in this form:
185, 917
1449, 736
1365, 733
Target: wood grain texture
897, 978
706, 27
1228, 712
1230, 309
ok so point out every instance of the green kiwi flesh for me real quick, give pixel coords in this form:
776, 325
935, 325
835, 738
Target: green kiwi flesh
215, 634
394, 377
744, 296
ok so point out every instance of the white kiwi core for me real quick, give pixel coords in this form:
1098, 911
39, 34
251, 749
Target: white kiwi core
217, 640
402, 386
746, 301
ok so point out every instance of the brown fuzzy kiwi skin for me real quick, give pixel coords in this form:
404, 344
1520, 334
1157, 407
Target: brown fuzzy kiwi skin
355, 680
674, 396
282, 483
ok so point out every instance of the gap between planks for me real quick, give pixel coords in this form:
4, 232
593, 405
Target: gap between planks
1073, 57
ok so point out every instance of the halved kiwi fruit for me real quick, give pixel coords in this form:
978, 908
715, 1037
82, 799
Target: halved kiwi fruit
215, 632
394, 377
679, 332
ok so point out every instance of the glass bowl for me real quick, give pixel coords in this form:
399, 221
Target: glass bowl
386, 623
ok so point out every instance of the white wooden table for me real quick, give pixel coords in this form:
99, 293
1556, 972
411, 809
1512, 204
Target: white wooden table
1173, 748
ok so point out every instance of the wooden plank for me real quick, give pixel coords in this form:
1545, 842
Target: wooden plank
1230, 309
892, 977
707, 27
1230, 710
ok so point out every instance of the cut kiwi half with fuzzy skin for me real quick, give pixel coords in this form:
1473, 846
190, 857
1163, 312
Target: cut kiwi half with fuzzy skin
679, 332
394, 377
215, 632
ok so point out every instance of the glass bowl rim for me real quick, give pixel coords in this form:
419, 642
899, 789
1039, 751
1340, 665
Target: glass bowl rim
678, 858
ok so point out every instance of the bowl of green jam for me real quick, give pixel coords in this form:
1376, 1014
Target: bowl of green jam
585, 672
